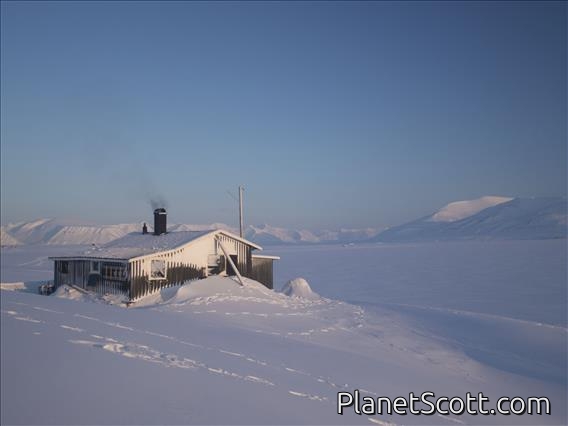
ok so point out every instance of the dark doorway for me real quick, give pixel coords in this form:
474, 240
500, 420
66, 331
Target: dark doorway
94, 280
230, 270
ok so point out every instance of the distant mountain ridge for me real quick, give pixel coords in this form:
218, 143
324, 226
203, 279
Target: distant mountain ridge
489, 217
502, 218
266, 234
53, 232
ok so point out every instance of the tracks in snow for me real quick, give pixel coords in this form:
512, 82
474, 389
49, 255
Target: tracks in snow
137, 351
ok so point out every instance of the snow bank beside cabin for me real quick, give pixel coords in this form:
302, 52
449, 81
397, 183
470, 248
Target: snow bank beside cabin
79, 295
299, 287
27, 287
13, 286
211, 287
70, 293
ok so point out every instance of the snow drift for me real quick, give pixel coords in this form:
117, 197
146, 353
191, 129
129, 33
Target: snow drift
299, 287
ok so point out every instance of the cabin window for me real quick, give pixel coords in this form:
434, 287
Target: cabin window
158, 269
64, 267
215, 264
95, 267
114, 271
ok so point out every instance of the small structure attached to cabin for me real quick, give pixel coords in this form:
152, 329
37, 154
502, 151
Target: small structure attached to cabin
142, 263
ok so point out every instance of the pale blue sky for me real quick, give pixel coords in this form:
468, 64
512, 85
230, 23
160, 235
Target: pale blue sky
332, 114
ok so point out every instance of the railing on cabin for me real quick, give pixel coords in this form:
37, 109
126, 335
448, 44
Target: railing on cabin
107, 286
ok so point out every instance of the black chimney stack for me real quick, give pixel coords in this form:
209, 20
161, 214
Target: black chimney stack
160, 217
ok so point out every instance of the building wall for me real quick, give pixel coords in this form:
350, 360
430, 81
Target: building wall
176, 273
241, 250
71, 272
262, 271
191, 262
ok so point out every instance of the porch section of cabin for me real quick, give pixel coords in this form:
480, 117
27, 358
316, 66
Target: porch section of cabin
97, 275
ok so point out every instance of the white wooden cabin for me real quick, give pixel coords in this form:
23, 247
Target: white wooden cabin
142, 263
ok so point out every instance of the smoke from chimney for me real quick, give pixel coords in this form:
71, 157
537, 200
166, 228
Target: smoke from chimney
158, 201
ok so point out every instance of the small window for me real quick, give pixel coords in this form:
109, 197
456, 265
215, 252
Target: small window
64, 267
95, 267
158, 269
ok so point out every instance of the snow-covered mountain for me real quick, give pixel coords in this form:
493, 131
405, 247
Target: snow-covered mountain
266, 234
7, 239
461, 209
487, 218
51, 231
54, 232
34, 232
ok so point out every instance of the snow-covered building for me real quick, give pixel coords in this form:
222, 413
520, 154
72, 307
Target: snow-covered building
141, 263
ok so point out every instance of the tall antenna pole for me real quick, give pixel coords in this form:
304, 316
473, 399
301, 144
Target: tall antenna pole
241, 222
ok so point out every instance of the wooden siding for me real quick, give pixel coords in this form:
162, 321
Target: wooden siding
176, 274
262, 271
71, 272
243, 252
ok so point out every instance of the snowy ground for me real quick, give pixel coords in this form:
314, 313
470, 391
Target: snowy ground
515, 279
214, 352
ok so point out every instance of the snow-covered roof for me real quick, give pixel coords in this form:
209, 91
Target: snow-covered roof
137, 244
265, 256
